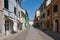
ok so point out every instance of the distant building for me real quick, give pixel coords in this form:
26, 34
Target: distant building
43, 15
24, 19
31, 22
37, 13
36, 22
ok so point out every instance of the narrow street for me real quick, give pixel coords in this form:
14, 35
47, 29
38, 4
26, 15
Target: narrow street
30, 20
29, 34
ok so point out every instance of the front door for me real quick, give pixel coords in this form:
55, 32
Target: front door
6, 27
56, 25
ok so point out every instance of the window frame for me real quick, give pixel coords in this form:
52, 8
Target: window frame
55, 8
15, 10
48, 12
6, 4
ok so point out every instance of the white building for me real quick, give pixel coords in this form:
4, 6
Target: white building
37, 13
48, 2
9, 16
22, 16
31, 22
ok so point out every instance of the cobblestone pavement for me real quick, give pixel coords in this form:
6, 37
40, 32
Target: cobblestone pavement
29, 34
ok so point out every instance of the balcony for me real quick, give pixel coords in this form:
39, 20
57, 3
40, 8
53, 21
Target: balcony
10, 14
5, 12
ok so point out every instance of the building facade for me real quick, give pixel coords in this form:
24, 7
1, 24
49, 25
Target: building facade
24, 18
9, 16
43, 15
52, 15
36, 22
31, 22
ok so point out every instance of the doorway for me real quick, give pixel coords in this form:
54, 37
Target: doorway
56, 25
6, 27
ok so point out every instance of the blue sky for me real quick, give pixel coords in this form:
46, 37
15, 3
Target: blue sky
31, 6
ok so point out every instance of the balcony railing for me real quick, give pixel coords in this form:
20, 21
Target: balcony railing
10, 14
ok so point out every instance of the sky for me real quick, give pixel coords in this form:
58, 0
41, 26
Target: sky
31, 6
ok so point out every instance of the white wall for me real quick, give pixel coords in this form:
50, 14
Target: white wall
37, 13
31, 22
12, 4
48, 2
15, 27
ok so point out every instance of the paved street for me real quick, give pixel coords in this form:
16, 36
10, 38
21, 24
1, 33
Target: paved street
54, 35
29, 34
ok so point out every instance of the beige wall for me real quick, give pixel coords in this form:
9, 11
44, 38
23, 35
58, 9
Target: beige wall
0, 4
1, 21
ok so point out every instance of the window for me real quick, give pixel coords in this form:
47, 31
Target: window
44, 15
6, 25
15, 10
48, 12
55, 8
16, 0
44, 6
41, 16
19, 14
6, 4
41, 8
48, 23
